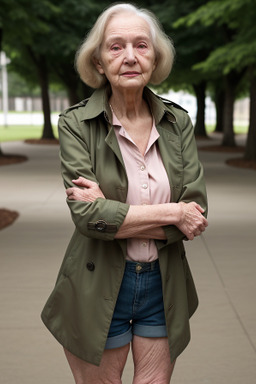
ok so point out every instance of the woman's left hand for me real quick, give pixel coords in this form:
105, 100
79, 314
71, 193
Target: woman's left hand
86, 190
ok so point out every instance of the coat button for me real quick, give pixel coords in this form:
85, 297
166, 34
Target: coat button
101, 226
90, 266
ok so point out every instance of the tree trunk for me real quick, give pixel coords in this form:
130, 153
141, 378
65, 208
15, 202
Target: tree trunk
71, 81
44, 85
200, 116
74, 86
250, 149
78, 91
1, 37
228, 112
42, 70
219, 105
73, 97
87, 91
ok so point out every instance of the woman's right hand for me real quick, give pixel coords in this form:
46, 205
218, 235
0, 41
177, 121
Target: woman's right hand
192, 223
86, 190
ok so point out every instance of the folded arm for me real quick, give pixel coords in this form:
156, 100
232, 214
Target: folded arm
147, 221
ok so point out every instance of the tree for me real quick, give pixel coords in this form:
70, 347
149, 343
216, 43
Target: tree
237, 53
76, 20
1, 33
250, 148
63, 24
29, 53
10, 14
192, 46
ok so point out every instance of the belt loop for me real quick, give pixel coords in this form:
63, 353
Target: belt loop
154, 264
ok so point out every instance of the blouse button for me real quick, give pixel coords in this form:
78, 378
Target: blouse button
144, 186
142, 168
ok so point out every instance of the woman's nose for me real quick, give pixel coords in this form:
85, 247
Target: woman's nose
130, 57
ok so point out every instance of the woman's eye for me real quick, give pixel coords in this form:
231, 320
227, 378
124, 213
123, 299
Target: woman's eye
142, 46
115, 48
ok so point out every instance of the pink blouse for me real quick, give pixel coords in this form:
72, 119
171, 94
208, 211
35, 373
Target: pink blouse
147, 184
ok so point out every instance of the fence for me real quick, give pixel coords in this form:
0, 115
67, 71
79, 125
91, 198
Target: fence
58, 104
34, 104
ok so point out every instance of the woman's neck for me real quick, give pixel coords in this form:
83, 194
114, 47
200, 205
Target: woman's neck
128, 105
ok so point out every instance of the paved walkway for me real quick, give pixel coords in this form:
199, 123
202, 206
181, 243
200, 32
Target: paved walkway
223, 347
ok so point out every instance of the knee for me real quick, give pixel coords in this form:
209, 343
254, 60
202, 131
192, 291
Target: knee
152, 373
156, 378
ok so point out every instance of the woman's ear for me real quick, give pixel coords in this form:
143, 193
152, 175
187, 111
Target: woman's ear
98, 66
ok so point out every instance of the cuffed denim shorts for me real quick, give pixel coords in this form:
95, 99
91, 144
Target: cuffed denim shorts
139, 308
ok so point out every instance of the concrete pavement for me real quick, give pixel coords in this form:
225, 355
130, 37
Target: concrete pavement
223, 262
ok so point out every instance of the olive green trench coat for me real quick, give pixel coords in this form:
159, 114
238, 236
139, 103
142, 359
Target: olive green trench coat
80, 308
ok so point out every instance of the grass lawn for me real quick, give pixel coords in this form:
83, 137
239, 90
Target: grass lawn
239, 129
24, 132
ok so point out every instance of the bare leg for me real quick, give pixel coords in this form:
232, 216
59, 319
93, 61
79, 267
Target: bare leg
152, 363
109, 372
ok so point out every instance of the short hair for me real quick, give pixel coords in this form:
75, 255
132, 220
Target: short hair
90, 48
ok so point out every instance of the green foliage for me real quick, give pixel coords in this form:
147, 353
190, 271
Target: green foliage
203, 32
236, 21
239, 55
234, 13
192, 44
18, 86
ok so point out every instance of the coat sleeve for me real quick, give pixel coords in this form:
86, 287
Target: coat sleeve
102, 218
193, 184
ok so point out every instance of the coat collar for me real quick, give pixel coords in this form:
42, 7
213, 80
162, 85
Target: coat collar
98, 104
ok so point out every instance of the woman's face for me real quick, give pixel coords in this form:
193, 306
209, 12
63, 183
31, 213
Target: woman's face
127, 56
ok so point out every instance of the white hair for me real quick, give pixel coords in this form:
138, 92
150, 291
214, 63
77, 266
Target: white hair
90, 48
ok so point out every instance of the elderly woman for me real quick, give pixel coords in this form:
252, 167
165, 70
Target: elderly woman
135, 190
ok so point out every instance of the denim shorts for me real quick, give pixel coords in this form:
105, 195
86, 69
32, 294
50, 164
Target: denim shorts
139, 308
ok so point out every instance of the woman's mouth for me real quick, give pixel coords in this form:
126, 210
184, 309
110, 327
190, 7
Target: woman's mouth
130, 74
